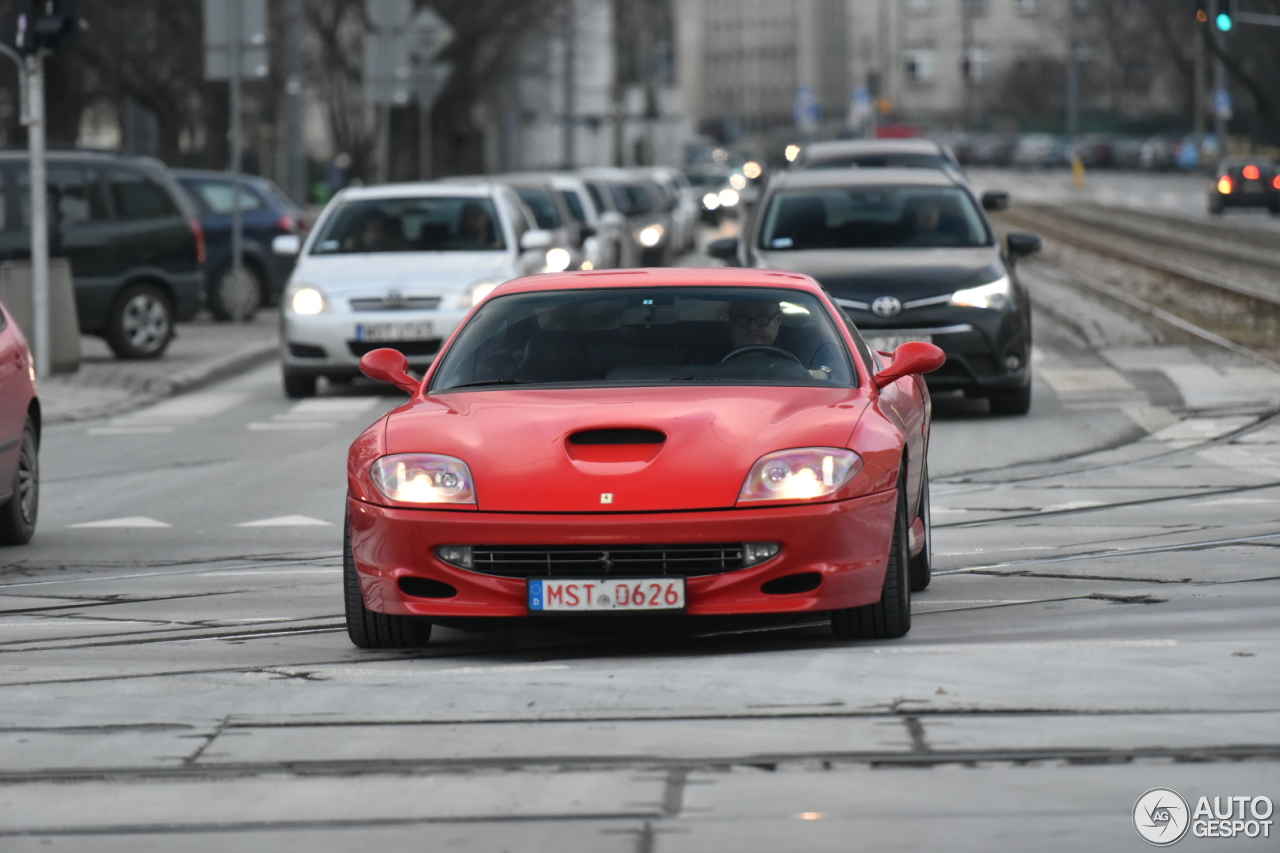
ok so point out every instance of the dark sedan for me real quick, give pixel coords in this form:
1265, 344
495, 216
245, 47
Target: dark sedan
266, 215
1245, 182
909, 255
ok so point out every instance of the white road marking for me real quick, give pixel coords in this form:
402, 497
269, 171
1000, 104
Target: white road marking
259, 426
1235, 501
1004, 647
1089, 380
1070, 505
413, 671
286, 521
130, 521
320, 413
131, 430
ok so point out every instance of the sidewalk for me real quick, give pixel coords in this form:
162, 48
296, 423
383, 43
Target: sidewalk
203, 351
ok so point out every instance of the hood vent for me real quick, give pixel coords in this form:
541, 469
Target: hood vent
618, 436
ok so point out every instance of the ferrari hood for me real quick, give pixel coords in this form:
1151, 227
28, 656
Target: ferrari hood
632, 449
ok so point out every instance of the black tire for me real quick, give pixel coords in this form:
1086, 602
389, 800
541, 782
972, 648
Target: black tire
1216, 206
921, 565
889, 617
298, 386
1013, 403
222, 293
18, 514
369, 629
141, 322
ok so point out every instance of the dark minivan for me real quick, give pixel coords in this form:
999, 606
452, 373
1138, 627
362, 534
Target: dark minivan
133, 240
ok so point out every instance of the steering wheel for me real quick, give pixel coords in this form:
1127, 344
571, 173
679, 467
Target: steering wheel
761, 348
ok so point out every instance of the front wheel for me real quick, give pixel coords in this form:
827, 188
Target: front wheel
1013, 403
141, 322
18, 514
367, 628
298, 386
890, 617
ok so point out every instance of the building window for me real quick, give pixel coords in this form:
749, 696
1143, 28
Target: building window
975, 8
919, 7
977, 64
1027, 7
921, 65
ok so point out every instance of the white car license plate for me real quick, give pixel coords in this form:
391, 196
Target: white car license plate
395, 331
613, 594
889, 343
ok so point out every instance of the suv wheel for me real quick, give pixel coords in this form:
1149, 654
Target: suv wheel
298, 386
224, 299
141, 322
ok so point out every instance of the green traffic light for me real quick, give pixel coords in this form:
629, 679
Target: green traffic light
1224, 22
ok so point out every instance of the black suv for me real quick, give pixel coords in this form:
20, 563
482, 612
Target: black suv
133, 239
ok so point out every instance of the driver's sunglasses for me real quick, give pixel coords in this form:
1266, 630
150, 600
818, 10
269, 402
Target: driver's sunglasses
761, 320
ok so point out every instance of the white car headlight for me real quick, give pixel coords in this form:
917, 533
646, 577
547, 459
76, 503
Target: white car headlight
475, 292
728, 197
800, 474
650, 235
711, 201
424, 478
992, 295
558, 259
306, 299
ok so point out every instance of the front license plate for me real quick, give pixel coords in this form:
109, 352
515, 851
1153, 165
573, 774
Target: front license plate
395, 331
630, 594
889, 343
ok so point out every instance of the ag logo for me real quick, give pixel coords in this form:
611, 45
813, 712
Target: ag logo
395, 299
1161, 817
886, 306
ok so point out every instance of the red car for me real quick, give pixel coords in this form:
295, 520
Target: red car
702, 442
19, 436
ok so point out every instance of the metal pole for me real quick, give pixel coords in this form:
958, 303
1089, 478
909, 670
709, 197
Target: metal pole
237, 225
1219, 120
39, 212
384, 142
424, 140
1073, 75
295, 158
1197, 92
569, 154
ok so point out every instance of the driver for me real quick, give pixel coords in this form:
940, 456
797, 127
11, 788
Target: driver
754, 323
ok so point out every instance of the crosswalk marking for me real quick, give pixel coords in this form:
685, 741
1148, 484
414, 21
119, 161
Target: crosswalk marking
129, 521
317, 413
132, 430
286, 521
268, 426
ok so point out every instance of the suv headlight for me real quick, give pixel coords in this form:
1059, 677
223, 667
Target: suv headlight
800, 474
650, 235
306, 299
424, 478
992, 295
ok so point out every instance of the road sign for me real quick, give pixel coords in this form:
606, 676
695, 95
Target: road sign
430, 34
430, 79
387, 15
387, 68
1222, 103
218, 24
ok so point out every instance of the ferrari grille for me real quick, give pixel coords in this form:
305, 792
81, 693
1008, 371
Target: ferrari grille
597, 561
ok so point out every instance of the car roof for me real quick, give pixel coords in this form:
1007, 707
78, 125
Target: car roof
85, 155
415, 190
848, 147
664, 277
822, 178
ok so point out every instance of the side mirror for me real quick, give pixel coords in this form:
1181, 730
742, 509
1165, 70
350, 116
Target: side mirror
286, 244
995, 200
536, 238
389, 365
908, 359
726, 249
613, 219
1023, 243
586, 231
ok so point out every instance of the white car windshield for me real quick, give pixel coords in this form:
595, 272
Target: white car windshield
872, 218
648, 336
430, 224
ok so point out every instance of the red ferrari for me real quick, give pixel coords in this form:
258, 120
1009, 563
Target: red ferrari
699, 442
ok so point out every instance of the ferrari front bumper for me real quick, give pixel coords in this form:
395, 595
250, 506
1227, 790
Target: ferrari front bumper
845, 542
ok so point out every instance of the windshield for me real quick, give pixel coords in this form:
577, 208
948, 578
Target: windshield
542, 205
434, 224
574, 204
872, 218
648, 336
894, 160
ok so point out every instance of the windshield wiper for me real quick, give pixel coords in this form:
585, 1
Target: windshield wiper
487, 382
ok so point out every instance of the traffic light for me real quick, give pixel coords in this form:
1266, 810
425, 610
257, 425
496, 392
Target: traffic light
1225, 19
50, 25
1202, 11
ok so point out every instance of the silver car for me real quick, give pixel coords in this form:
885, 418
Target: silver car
399, 266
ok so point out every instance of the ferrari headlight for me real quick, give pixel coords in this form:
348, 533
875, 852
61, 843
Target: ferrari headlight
306, 299
650, 235
800, 474
992, 295
558, 259
475, 292
424, 478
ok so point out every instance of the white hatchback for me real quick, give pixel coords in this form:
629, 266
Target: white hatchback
398, 266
